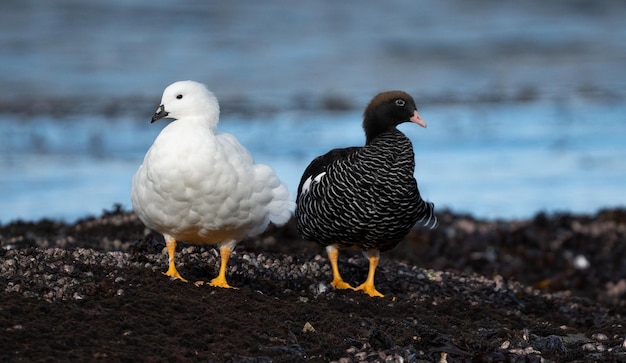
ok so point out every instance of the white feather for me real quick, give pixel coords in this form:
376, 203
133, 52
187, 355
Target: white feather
307, 183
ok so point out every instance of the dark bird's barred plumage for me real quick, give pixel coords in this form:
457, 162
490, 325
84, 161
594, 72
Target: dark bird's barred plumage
366, 197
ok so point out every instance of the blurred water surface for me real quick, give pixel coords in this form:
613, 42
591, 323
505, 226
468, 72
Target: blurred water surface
525, 101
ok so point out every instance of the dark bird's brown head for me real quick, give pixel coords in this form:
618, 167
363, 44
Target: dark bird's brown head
387, 110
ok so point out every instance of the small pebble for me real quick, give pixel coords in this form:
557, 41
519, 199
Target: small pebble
308, 328
600, 336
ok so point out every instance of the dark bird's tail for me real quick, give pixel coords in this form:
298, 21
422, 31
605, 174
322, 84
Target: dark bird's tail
427, 217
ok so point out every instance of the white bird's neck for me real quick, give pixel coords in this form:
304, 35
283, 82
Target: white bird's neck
200, 124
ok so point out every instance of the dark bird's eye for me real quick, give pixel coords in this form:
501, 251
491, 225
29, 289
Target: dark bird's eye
400, 102
179, 97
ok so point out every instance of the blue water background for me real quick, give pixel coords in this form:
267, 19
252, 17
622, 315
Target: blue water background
525, 101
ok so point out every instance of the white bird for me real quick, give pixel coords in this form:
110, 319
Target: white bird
201, 186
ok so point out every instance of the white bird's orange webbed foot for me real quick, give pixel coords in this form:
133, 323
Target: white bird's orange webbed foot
220, 280
172, 272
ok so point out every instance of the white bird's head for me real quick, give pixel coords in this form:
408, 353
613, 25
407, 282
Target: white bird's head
191, 100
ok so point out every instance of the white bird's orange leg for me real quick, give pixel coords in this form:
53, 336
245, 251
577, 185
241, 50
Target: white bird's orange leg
368, 286
170, 243
338, 283
220, 280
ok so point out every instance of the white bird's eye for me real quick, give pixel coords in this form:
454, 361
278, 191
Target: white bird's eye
179, 97
400, 102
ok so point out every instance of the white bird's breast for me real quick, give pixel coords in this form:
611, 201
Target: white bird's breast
197, 183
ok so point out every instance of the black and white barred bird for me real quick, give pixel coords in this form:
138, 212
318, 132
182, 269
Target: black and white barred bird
365, 197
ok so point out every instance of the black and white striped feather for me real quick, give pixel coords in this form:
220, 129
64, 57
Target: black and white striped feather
364, 197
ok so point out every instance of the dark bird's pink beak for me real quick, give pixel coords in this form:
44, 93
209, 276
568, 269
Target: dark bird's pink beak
418, 119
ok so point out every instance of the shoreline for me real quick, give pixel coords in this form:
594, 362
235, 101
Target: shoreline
552, 287
120, 209
554, 252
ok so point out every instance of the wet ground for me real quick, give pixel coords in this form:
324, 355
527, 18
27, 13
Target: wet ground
551, 287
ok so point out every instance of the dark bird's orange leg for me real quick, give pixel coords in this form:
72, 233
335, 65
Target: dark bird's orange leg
220, 280
170, 243
337, 282
368, 286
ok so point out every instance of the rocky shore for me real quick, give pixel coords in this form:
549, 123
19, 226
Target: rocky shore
550, 288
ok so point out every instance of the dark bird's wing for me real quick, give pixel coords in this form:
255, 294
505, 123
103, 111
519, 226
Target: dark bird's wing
320, 163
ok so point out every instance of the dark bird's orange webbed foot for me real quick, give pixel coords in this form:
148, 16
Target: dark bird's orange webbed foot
368, 286
337, 282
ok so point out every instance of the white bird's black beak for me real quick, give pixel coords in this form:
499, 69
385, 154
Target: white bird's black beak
160, 113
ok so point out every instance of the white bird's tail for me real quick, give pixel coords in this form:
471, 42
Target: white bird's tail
280, 207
